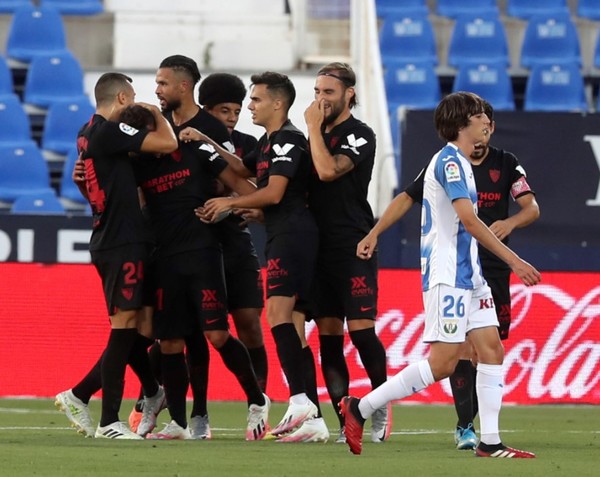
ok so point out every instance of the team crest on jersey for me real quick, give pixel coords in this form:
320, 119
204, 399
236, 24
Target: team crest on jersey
494, 175
127, 293
282, 151
127, 129
452, 172
450, 327
354, 143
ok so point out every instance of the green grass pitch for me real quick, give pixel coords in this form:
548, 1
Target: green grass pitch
35, 440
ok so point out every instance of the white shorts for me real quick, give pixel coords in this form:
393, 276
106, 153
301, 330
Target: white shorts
450, 313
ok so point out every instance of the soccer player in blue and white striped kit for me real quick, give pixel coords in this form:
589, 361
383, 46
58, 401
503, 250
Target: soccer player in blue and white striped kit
458, 302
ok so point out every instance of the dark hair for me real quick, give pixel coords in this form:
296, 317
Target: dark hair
344, 73
221, 88
109, 85
138, 117
183, 64
277, 84
454, 112
488, 110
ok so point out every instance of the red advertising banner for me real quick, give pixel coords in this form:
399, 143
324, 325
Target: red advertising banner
54, 327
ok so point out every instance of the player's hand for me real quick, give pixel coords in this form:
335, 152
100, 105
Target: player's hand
191, 134
216, 209
527, 273
78, 174
366, 247
249, 216
501, 229
315, 113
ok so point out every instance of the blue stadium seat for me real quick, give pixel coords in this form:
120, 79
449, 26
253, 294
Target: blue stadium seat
23, 170
478, 38
597, 53
589, 9
525, 9
76, 7
556, 87
455, 8
6, 81
53, 77
43, 204
407, 37
9, 6
35, 30
412, 85
549, 39
491, 81
63, 121
15, 128
386, 7
68, 189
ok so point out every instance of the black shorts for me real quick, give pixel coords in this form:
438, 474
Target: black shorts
345, 286
190, 294
122, 270
291, 264
243, 278
500, 286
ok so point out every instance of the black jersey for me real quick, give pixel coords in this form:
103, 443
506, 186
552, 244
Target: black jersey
173, 187
243, 143
207, 124
497, 178
284, 153
340, 207
110, 182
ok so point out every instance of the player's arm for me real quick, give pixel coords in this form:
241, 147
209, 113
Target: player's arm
269, 195
191, 134
162, 140
78, 177
529, 212
393, 213
329, 167
238, 184
473, 224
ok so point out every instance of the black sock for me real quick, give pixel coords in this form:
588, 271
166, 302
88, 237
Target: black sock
475, 401
140, 364
198, 359
335, 370
289, 350
310, 377
175, 373
258, 357
154, 358
90, 384
462, 384
372, 354
114, 362
236, 359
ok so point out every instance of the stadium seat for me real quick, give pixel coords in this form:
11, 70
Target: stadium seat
46, 203
407, 37
478, 38
549, 39
525, 9
35, 30
15, 128
597, 53
68, 190
6, 81
53, 77
23, 170
63, 121
386, 7
9, 6
589, 9
556, 87
455, 8
412, 85
491, 81
76, 7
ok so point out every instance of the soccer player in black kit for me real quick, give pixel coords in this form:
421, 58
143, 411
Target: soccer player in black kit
499, 177
191, 297
120, 241
281, 165
343, 153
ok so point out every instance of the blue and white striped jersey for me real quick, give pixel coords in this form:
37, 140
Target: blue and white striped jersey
448, 252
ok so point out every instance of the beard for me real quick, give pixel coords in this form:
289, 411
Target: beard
171, 105
478, 152
336, 110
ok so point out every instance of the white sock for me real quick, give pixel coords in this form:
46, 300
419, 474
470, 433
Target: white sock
412, 379
490, 388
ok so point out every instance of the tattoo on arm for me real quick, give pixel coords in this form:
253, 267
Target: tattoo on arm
343, 164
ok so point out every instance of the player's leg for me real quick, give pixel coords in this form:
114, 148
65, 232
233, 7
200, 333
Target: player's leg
462, 383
